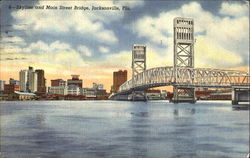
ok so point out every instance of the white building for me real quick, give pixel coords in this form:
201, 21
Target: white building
28, 80
23, 78
32, 81
89, 92
61, 90
2, 83
73, 90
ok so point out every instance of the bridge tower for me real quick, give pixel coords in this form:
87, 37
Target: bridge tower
138, 66
183, 57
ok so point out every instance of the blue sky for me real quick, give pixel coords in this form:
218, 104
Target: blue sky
99, 42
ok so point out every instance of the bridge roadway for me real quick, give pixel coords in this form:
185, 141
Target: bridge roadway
185, 77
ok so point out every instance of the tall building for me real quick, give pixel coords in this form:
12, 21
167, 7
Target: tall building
28, 80
41, 81
119, 78
32, 80
23, 78
75, 81
2, 83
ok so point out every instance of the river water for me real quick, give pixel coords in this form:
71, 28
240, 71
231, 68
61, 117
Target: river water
117, 129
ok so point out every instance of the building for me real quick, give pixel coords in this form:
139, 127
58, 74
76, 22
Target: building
97, 86
28, 80
58, 82
32, 80
2, 83
21, 96
23, 78
4, 96
89, 92
12, 81
58, 90
11, 88
153, 94
119, 78
41, 81
99, 91
58, 86
73, 90
75, 81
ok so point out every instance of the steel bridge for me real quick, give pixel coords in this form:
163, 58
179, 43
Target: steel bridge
182, 76
186, 77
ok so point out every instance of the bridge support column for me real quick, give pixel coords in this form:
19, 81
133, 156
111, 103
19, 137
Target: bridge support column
139, 96
184, 94
240, 95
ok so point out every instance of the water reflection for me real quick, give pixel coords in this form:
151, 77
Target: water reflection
186, 112
241, 107
139, 124
184, 134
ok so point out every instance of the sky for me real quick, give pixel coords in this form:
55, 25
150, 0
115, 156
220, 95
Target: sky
94, 43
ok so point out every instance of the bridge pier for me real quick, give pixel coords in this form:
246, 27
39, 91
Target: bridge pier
184, 94
139, 96
240, 95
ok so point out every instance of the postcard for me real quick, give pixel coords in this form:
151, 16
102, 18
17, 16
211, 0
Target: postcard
124, 79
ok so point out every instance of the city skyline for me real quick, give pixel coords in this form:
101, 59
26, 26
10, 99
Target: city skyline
99, 44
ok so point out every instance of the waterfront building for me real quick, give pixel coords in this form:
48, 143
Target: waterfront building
23, 78
62, 83
97, 86
89, 92
119, 78
73, 90
11, 88
3, 96
58, 90
2, 83
41, 81
32, 80
13, 81
58, 82
21, 96
154, 93
75, 81
99, 91
28, 80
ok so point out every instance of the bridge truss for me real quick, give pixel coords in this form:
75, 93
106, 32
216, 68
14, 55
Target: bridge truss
186, 77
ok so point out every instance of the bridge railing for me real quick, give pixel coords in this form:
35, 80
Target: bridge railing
187, 77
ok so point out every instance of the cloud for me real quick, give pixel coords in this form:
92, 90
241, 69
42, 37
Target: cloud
84, 50
210, 54
234, 9
103, 49
89, 24
56, 52
228, 36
